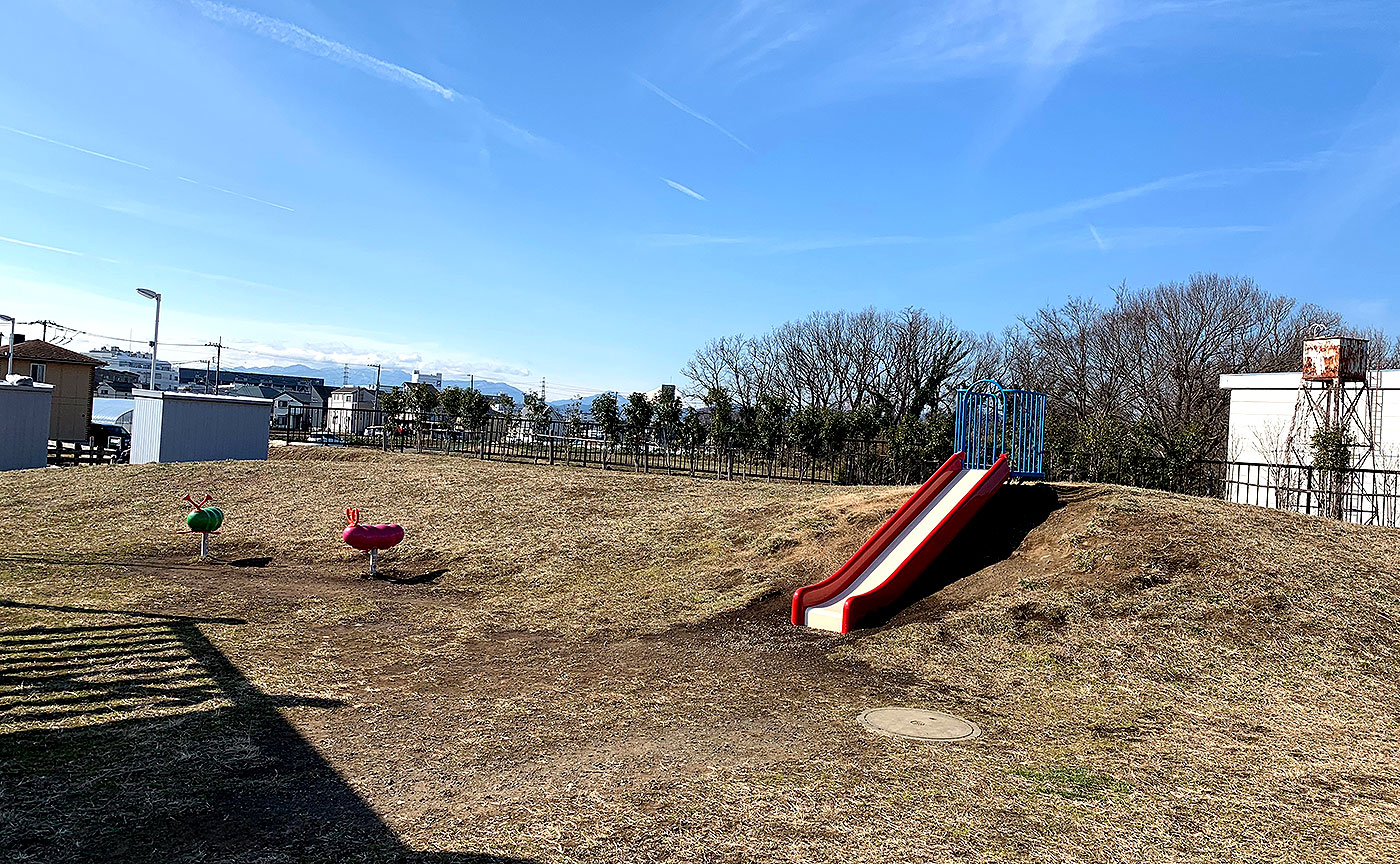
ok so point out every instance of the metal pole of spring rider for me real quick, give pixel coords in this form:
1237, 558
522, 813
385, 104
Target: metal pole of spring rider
374, 562
204, 544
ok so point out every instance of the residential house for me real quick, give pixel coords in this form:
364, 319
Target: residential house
352, 410
289, 408
115, 383
71, 375
317, 400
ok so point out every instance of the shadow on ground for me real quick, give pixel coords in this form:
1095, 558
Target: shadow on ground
395, 578
128, 736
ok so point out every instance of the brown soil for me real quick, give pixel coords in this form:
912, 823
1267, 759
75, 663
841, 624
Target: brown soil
1157, 677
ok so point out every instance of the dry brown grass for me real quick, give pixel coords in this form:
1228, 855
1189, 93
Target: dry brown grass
537, 548
605, 673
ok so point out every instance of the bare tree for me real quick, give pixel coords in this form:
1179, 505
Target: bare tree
904, 363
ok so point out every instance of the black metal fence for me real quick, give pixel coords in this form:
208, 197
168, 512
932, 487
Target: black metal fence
561, 441
1362, 495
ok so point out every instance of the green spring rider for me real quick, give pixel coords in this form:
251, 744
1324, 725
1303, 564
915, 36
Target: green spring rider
204, 520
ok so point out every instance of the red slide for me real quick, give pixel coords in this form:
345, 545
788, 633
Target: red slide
901, 549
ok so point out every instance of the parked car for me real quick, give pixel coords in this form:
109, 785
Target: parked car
325, 439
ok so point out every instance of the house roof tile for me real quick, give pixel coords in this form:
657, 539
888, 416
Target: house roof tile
37, 349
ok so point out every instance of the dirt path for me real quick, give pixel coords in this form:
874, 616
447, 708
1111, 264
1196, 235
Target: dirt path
446, 732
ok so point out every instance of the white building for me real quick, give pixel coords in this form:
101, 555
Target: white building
433, 378
352, 410
1261, 470
665, 391
167, 377
1261, 411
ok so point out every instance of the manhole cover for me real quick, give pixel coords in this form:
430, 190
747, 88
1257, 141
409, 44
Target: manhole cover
919, 723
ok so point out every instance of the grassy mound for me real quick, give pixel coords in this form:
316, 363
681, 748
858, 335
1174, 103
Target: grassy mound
579, 665
567, 549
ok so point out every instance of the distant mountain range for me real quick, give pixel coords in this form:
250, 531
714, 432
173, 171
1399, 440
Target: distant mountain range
364, 377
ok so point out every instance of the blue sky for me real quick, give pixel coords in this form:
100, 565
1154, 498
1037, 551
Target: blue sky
586, 192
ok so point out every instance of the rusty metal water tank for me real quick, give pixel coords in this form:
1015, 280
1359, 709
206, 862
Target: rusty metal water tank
1336, 358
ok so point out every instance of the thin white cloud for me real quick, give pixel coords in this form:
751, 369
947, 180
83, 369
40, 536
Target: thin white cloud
1363, 181
106, 156
307, 42
1152, 237
238, 194
40, 246
199, 273
217, 277
693, 113
1210, 179
58, 249
270, 340
139, 210
750, 34
684, 189
304, 40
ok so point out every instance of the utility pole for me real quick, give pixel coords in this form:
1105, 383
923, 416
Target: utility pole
345, 376
543, 398
46, 325
218, 360
383, 421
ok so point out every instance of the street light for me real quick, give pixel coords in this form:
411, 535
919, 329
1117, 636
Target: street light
155, 337
10, 365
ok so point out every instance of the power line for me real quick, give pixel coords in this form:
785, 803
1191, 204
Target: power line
75, 330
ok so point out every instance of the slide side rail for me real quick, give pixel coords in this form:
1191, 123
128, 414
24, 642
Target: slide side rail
893, 588
821, 592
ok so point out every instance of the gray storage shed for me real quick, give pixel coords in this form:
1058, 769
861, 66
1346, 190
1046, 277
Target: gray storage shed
24, 423
195, 427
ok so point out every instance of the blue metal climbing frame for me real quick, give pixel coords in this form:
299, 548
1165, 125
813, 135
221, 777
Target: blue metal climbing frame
992, 420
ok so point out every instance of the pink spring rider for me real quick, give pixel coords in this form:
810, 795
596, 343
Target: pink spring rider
370, 538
